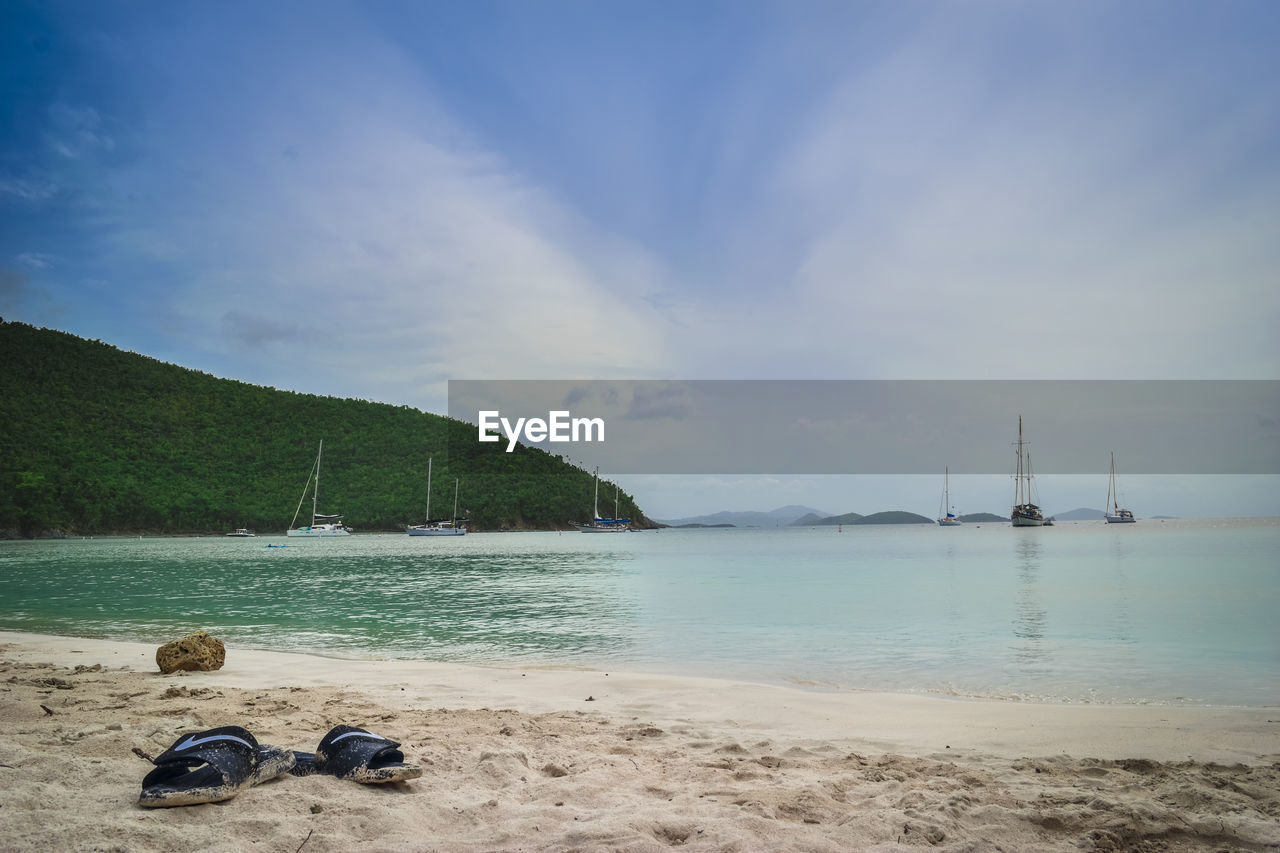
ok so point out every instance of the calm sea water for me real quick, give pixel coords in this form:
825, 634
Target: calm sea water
1161, 612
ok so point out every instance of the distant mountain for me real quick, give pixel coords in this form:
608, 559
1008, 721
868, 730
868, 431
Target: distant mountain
1080, 514
700, 525
979, 517
780, 517
894, 517
833, 520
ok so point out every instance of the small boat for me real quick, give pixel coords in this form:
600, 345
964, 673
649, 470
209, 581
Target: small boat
321, 525
242, 532
438, 528
946, 512
605, 525
1116, 515
1026, 512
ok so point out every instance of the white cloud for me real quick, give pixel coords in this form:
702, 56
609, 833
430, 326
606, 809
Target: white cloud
397, 261
36, 260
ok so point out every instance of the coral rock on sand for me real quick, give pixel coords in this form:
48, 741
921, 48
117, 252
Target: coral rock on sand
196, 651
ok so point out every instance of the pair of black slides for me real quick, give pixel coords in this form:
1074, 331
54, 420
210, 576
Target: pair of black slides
214, 765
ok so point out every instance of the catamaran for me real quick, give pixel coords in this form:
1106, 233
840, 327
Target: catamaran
946, 513
1026, 513
1116, 515
321, 525
605, 525
439, 528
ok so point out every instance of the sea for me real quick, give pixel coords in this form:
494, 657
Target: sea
1158, 612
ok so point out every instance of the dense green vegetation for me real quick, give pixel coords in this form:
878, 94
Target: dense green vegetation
95, 440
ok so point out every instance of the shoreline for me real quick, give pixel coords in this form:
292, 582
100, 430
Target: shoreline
48, 536
919, 724
560, 760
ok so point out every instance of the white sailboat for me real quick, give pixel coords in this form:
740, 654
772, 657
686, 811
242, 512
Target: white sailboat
1026, 512
1116, 515
321, 525
946, 512
605, 525
439, 528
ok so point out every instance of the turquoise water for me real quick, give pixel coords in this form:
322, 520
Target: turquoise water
1161, 612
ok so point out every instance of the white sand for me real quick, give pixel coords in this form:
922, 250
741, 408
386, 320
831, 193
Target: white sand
575, 760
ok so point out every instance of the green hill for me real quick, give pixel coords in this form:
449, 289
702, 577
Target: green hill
831, 520
893, 517
979, 517
96, 440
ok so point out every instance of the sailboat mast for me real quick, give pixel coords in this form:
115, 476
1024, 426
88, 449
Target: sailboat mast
428, 490
1017, 477
315, 495
455, 498
1113, 499
595, 505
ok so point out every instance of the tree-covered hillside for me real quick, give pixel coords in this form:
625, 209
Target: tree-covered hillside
96, 440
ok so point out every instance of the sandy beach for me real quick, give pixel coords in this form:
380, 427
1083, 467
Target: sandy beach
582, 760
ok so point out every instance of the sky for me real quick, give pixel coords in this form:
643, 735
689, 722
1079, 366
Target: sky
369, 199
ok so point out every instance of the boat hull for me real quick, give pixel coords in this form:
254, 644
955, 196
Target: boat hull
1120, 519
603, 528
1027, 516
949, 522
437, 531
317, 532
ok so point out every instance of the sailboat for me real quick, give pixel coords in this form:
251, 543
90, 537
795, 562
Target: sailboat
1116, 515
1026, 513
946, 515
439, 528
321, 525
605, 525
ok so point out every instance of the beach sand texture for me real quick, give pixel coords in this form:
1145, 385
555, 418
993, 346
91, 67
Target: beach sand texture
571, 760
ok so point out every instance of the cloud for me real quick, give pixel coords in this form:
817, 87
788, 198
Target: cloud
28, 189
387, 250
257, 332
940, 192
975, 217
76, 131
36, 260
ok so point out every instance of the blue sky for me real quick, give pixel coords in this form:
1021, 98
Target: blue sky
369, 199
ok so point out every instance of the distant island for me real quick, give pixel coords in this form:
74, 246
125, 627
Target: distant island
697, 526
780, 517
1080, 514
889, 517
